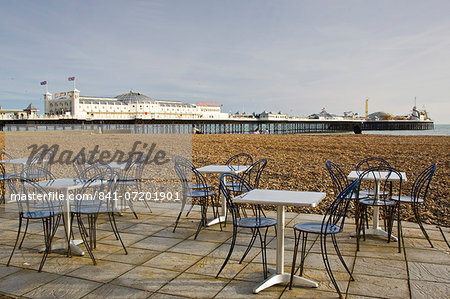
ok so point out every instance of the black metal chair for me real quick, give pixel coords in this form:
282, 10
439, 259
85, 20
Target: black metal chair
418, 197
34, 203
256, 223
35, 174
194, 187
95, 198
332, 224
384, 199
131, 177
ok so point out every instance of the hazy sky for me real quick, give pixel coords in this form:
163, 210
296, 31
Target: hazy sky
291, 56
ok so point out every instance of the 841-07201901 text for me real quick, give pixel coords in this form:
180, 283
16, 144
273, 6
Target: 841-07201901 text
140, 196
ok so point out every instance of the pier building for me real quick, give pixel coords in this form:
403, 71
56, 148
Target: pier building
131, 105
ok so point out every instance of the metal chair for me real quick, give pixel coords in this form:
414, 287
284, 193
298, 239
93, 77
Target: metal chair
379, 200
332, 224
95, 198
34, 202
194, 187
418, 197
131, 177
35, 174
256, 223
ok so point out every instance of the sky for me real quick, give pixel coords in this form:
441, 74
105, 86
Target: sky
295, 56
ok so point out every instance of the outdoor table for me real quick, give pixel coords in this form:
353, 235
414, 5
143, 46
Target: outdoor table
281, 198
66, 185
380, 176
220, 169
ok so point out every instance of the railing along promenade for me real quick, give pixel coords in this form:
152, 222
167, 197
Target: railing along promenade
213, 126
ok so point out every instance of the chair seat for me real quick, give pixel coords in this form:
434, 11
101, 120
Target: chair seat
238, 188
370, 193
90, 209
200, 186
316, 228
200, 193
255, 222
408, 199
128, 181
380, 202
39, 214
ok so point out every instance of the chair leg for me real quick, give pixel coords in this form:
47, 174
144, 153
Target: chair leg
112, 225
233, 242
419, 221
83, 234
250, 245
17, 240
303, 255
399, 230
117, 231
24, 233
176, 221
294, 257
263, 251
323, 244
336, 247
47, 238
203, 218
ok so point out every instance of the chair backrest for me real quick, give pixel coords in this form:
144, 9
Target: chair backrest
253, 174
337, 211
183, 168
228, 178
80, 163
98, 191
32, 198
241, 159
338, 177
37, 173
4, 156
369, 163
45, 159
384, 176
421, 185
135, 169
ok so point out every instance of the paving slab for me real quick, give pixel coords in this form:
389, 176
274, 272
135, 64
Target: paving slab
112, 291
429, 290
146, 278
64, 287
173, 261
104, 271
23, 281
194, 286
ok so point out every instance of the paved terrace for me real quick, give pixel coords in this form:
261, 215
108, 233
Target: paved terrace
162, 264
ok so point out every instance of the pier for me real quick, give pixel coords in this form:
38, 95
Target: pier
212, 126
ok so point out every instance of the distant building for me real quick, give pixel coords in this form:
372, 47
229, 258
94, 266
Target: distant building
28, 113
131, 105
271, 116
323, 115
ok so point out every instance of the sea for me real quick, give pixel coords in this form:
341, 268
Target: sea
439, 130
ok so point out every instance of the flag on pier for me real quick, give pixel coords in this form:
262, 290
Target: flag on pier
71, 78
44, 83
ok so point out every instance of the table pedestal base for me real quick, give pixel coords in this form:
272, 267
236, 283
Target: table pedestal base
63, 245
216, 221
284, 278
376, 232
